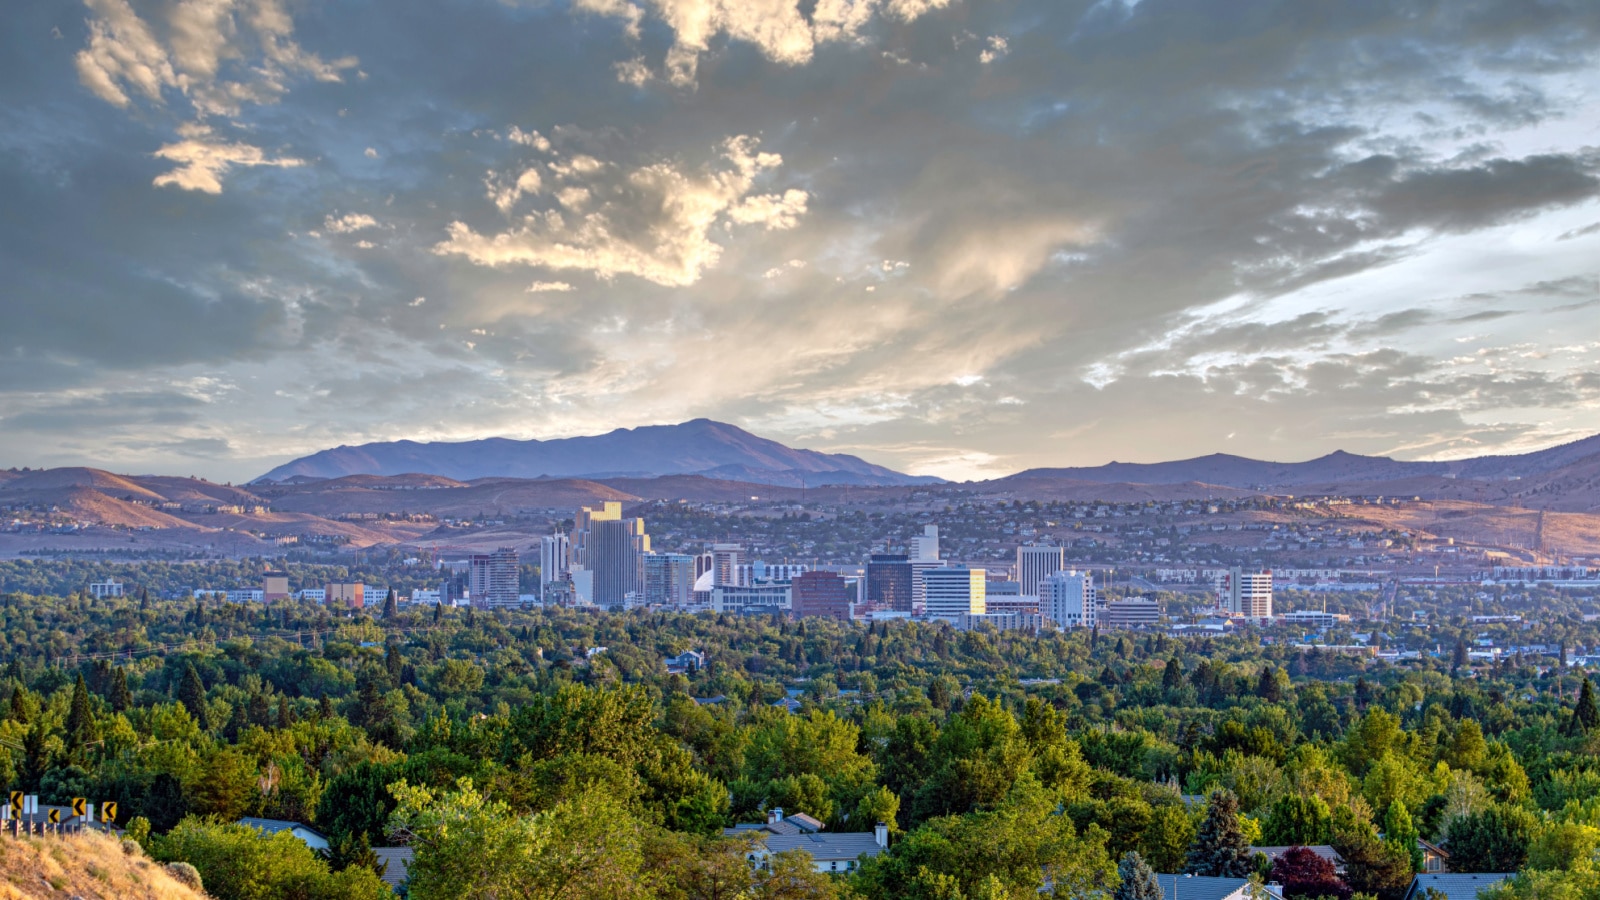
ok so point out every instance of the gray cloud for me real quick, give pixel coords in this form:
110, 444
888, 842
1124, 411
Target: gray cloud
1137, 221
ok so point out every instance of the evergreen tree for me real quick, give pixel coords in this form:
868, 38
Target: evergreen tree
144, 599
1138, 880
80, 719
19, 704
35, 756
438, 612
192, 694
1220, 848
285, 717
393, 662
1363, 693
1401, 835
1267, 686
1173, 676
1460, 657
391, 607
121, 697
1586, 715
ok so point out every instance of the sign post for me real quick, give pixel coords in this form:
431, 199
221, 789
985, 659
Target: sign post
108, 813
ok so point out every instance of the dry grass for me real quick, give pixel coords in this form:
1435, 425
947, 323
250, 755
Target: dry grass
91, 866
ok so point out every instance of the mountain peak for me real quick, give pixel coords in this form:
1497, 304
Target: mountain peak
694, 447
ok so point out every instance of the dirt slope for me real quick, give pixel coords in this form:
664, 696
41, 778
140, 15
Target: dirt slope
91, 866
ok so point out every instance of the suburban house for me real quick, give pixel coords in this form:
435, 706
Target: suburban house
839, 852
1434, 859
313, 838
1455, 887
1205, 887
1322, 850
686, 663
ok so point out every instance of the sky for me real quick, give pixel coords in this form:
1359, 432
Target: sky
955, 237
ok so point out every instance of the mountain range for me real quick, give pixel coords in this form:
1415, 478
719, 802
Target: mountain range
699, 447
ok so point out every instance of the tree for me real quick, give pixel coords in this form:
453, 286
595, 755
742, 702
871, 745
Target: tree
1220, 848
1586, 715
192, 694
1305, 874
471, 848
1297, 819
1494, 840
1172, 676
81, 728
1372, 867
121, 697
1401, 835
1460, 657
1138, 881
1268, 687
391, 607
237, 861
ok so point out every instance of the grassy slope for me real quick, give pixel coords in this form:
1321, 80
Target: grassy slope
91, 866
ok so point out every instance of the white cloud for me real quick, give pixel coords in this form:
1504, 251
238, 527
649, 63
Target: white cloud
530, 138
778, 27
633, 71
653, 222
371, 153
203, 158
349, 222
997, 47
541, 287
418, 302
122, 52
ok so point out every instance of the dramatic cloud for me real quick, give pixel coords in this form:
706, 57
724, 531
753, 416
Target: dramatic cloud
954, 237
654, 221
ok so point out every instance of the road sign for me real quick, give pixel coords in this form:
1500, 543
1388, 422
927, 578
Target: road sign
55, 816
80, 806
108, 811
30, 804
16, 802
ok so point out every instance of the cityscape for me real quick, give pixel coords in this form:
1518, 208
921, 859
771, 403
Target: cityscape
800, 450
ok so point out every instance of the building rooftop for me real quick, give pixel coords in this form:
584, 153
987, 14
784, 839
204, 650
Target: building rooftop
1456, 887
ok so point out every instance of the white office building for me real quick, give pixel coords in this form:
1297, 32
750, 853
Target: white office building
555, 551
669, 580
1068, 598
1247, 594
954, 591
1035, 563
777, 596
102, 590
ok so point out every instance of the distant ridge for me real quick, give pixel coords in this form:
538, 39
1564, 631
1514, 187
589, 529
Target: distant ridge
1338, 467
698, 447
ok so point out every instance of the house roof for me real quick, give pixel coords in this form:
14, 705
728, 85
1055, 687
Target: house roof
804, 822
273, 826
1322, 850
399, 863
1432, 848
1201, 887
1456, 887
824, 846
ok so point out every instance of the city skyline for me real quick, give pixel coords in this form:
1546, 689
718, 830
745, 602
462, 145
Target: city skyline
954, 238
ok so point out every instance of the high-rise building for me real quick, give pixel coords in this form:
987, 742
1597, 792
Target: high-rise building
669, 579
345, 594
758, 571
725, 562
1068, 599
493, 578
756, 599
923, 555
554, 559
926, 544
1248, 594
956, 590
889, 582
1035, 563
583, 527
821, 594
615, 551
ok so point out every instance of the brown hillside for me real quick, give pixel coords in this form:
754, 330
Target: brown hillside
92, 866
66, 479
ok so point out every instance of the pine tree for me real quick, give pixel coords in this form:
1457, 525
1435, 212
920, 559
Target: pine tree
192, 694
324, 708
393, 662
285, 716
19, 704
1461, 657
1138, 879
1173, 676
1220, 848
121, 697
1267, 686
438, 612
1586, 715
144, 599
1363, 693
391, 607
80, 719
